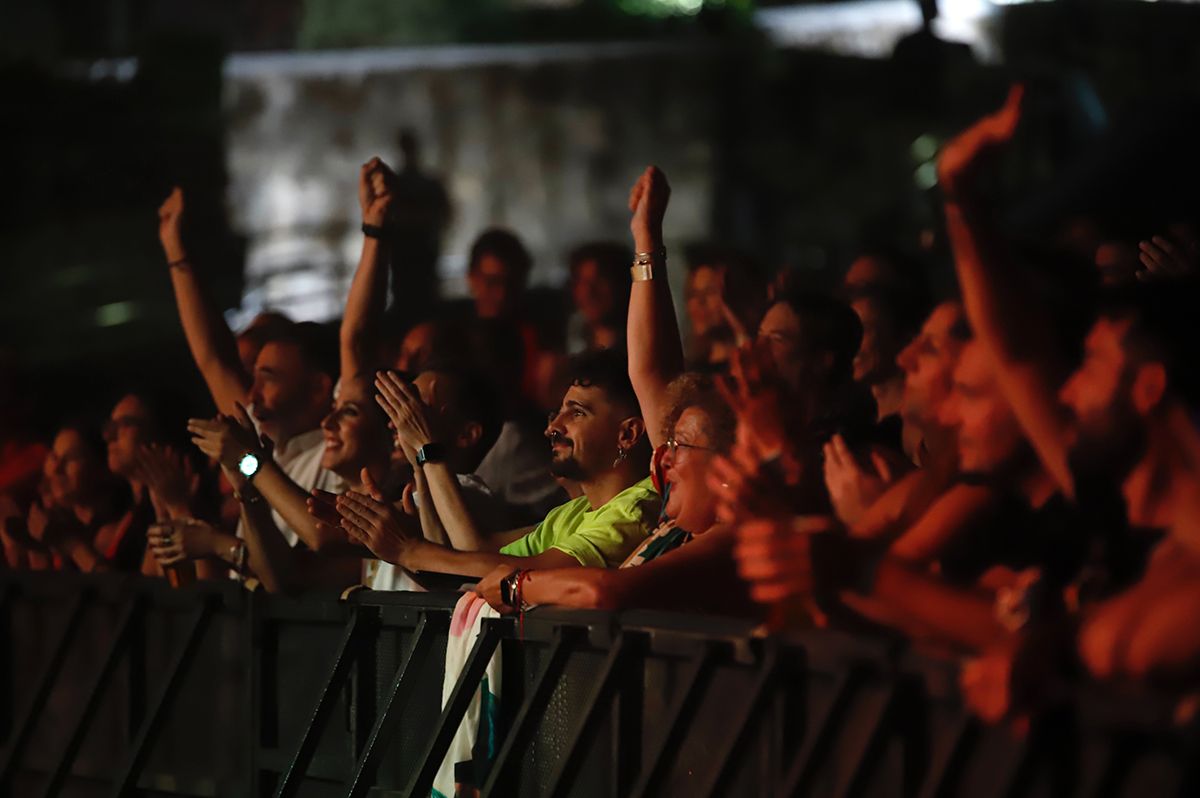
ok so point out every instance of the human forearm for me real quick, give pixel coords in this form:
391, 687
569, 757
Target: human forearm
268, 555
291, 502
425, 556
365, 306
652, 333
915, 599
209, 339
461, 530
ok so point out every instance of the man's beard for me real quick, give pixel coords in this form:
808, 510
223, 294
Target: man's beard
567, 467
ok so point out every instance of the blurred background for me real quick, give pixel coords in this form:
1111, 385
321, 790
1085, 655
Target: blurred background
801, 133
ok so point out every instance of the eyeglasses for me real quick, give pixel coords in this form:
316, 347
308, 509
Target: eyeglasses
673, 446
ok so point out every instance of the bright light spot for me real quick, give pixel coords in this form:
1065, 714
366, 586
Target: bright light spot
661, 8
926, 175
924, 148
115, 314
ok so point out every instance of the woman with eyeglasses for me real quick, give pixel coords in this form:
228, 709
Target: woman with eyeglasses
686, 563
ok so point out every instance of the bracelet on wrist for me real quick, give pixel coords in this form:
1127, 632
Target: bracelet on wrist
373, 230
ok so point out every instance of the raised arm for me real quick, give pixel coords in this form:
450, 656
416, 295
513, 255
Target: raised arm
212, 343
1014, 331
368, 291
655, 351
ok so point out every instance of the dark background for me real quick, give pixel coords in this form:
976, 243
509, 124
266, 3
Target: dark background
815, 155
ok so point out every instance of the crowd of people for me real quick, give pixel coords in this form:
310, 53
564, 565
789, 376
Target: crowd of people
1009, 472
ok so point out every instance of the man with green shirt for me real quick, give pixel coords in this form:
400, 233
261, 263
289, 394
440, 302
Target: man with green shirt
598, 439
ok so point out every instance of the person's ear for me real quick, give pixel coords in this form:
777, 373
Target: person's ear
631, 431
1148, 388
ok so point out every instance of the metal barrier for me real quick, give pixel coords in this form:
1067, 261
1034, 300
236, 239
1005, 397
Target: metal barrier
121, 686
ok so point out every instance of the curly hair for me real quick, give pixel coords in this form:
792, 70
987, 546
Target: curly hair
696, 390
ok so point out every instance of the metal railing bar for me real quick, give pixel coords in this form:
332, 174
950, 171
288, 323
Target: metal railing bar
867, 745
817, 741
766, 675
389, 717
41, 693
92, 703
945, 761
452, 714
586, 724
681, 712
352, 637
533, 705
154, 720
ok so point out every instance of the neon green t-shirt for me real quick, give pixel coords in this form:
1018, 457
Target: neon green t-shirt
603, 537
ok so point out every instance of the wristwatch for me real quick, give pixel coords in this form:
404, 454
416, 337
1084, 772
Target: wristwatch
431, 453
248, 466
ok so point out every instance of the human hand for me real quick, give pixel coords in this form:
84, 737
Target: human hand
376, 525
322, 506
52, 525
775, 556
648, 203
409, 416
744, 490
961, 155
375, 181
756, 401
170, 226
182, 539
489, 588
853, 488
1172, 256
227, 439
168, 474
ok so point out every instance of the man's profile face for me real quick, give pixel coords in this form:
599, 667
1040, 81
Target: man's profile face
584, 434
928, 363
124, 433
283, 390
1108, 431
780, 329
989, 437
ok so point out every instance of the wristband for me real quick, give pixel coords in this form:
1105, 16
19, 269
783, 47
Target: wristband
372, 230
431, 453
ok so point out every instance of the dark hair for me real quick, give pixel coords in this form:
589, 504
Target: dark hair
472, 397
505, 246
168, 413
745, 284
1163, 328
612, 260
608, 370
316, 343
91, 436
264, 325
827, 325
694, 389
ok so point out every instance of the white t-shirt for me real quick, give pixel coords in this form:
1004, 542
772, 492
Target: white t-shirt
380, 575
300, 459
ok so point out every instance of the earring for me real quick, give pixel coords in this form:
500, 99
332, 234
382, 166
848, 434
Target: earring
621, 455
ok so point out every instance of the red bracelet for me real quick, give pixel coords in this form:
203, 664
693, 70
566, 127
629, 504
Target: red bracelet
519, 601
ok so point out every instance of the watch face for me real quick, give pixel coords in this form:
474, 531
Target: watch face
248, 465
